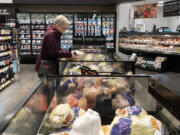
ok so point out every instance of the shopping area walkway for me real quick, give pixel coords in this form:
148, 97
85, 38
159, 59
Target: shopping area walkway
11, 95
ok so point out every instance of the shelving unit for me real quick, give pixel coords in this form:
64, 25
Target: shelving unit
7, 51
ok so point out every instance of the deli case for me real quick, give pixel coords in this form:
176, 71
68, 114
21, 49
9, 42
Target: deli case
156, 51
113, 97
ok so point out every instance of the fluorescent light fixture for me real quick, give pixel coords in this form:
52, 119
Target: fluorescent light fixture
5, 1
160, 3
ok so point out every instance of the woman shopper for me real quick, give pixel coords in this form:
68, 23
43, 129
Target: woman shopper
47, 62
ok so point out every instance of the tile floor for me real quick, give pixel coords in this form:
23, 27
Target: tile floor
11, 95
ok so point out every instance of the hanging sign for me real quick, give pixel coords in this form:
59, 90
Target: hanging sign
7, 12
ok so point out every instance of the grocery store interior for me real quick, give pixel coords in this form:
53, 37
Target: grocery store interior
124, 80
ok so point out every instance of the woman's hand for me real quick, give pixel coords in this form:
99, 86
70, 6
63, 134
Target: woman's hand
73, 57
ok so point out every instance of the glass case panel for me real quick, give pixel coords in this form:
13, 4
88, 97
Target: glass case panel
37, 18
38, 31
23, 18
99, 68
108, 29
29, 117
94, 24
103, 94
92, 92
50, 18
24, 33
67, 36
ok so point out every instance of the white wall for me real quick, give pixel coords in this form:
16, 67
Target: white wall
122, 20
124, 13
160, 21
173, 22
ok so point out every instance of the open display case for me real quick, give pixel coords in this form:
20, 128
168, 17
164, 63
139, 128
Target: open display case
167, 43
104, 94
93, 58
94, 61
99, 67
27, 115
155, 50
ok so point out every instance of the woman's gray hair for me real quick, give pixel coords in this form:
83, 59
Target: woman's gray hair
61, 20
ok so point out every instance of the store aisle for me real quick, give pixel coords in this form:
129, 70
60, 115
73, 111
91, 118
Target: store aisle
11, 95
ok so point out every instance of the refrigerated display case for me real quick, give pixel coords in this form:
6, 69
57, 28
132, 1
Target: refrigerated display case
99, 68
96, 29
83, 92
75, 89
109, 29
27, 115
38, 29
23, 22
67, 36
156, 51
50, 18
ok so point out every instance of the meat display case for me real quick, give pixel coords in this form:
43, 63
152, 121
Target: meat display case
32, 115
153, 49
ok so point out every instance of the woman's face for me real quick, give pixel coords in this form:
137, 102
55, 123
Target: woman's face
61, 28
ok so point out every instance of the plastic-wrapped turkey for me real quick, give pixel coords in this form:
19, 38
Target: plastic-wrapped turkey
135, 121
63, 115
117, 85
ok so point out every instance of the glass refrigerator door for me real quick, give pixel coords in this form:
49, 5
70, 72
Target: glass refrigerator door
24, 33
38, 31
23, 18
80, 24
50, 18
108, 29
67, 37
94, 25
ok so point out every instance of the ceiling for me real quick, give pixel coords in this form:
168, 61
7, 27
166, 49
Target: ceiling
73, 2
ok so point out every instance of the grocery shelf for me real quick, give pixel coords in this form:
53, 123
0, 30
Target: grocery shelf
25, 39
24, 33
6, 68
6, 84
